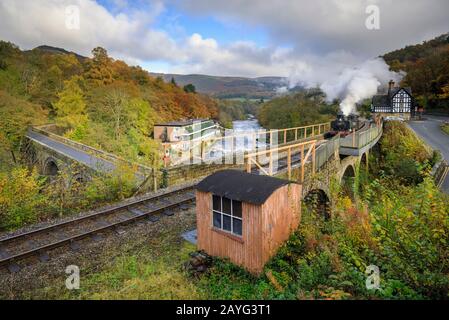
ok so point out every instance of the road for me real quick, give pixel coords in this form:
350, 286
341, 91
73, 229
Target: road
429, 130
73, 153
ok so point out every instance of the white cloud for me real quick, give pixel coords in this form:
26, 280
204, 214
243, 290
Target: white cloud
329, 25
31, 23
313, 43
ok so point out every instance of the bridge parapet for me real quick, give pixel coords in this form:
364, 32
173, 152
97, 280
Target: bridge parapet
326, 150
358, 142
46, 130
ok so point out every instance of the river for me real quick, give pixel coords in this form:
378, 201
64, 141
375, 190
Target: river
241, 143
246, 125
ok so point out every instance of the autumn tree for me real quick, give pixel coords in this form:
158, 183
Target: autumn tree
99, 68
15, 117
71, 107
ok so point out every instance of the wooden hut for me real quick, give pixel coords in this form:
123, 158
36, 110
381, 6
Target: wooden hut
246, 217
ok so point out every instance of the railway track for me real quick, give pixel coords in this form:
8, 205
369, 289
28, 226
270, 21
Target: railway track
39, 242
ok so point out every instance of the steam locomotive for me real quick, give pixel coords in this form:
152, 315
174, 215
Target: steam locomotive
344, 125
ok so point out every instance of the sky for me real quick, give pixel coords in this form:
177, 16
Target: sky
301, 40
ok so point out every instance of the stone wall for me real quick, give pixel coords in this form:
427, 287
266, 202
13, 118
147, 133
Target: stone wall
182, 174
40, 156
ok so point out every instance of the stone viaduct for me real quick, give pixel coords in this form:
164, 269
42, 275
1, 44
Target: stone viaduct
336, 159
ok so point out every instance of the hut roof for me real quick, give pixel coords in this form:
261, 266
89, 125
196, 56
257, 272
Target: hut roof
241, 186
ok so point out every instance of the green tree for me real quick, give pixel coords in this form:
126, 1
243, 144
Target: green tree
71, 107
190, 88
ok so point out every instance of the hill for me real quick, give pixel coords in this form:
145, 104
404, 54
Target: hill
427, 70
100, 101
55, 50
229, 87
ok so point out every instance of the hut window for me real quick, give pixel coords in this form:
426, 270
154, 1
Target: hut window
227, 215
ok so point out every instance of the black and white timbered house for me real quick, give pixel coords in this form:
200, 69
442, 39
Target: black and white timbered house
398, 100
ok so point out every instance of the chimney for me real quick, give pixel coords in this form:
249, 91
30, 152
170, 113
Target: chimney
390, 85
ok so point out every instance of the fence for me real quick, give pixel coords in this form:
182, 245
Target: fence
325, 151
359, 139
259, 159
250, 139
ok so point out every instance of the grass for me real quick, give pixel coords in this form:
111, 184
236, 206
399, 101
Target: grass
445, 128
142, 277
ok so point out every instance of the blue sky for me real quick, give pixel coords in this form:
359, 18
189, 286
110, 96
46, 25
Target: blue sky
178, 24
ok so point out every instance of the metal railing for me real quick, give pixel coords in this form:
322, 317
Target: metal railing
283, 135
360, 139
250, 139
326, 150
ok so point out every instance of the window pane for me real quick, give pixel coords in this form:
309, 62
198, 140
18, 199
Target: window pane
226, 223
226, 206
217, 220
236, 208
217, 203
237, 226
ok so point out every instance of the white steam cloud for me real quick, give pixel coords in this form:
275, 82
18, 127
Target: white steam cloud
339, 78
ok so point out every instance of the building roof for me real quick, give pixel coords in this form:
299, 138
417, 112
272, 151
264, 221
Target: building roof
381, 100
395, 90
181, 123
241, 186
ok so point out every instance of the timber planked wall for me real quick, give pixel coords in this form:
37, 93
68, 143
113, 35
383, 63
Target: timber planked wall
264, 228
281, 217
245, 251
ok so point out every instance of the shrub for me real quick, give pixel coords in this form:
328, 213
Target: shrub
20, 198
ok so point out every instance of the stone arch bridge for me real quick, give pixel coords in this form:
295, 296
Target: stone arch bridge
51, 153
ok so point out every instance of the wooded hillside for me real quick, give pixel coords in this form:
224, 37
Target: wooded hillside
100, 101
296, 110
427, 68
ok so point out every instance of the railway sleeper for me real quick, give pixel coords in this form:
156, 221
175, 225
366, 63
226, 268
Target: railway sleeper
60, 235
3, 253
31, 244
101, 223
43, 256
154, 218
97, 237
150, 206
74, 245
137, 212
14, 267
119, 230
